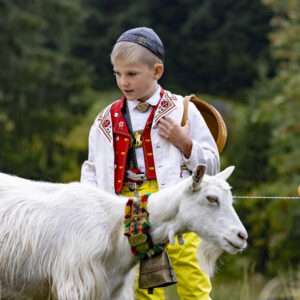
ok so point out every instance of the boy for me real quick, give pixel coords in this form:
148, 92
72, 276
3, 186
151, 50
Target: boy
137, 143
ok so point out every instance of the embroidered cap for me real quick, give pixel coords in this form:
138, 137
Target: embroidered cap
145, 37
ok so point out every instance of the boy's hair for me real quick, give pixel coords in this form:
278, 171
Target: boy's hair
134, 53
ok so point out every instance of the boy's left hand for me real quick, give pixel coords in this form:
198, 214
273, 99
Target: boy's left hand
176, 135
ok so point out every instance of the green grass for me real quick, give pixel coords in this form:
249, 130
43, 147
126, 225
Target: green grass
250, 286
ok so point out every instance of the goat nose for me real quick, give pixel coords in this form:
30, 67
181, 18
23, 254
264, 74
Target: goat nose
243, 235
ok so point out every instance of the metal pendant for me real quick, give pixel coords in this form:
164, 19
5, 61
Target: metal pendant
138, 139
143, 107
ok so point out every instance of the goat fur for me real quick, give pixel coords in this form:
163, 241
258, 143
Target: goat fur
66, 241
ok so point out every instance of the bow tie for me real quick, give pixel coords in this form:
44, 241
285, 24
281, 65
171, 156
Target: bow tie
143, 106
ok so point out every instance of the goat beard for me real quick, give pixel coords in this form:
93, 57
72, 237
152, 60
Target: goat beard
207, 256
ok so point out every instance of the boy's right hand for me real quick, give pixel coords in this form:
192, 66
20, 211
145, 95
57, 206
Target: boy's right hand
176, 135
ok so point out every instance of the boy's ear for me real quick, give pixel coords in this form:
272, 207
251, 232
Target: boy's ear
158, 71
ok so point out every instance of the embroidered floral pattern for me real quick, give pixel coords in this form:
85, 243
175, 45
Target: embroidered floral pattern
105, 124
165, 105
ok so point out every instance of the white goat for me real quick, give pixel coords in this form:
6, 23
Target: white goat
66, 241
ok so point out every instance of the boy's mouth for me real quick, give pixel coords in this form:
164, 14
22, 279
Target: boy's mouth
128, 92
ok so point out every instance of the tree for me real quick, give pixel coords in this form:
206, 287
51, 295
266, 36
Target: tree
41, 85
274, 224
211, 46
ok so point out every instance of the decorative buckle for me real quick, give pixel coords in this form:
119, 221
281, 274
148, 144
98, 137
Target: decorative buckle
138, 139
143, 107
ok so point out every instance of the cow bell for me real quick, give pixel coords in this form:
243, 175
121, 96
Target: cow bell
156, 272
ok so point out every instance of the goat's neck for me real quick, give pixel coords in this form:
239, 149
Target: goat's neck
164, 212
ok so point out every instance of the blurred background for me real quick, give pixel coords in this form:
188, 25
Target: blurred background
242, 56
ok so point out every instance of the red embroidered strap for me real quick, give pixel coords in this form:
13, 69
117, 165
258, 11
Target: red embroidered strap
147, 148
147, 144
122, 143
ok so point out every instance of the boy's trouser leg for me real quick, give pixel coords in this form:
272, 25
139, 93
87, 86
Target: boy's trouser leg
142, 294
192, 282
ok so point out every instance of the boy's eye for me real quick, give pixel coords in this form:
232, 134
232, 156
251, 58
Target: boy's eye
132, 73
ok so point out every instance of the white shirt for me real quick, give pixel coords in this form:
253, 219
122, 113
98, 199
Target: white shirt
98, 170
138, 121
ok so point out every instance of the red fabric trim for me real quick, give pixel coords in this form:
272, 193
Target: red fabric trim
121, 143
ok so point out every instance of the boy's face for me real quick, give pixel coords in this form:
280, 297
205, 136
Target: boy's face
136, 80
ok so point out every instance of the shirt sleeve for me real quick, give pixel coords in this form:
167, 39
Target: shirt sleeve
88, 170
204, 149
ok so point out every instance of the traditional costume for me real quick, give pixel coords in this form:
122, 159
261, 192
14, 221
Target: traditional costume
126, 152
164, 165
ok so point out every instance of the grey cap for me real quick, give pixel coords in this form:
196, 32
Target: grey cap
145, 37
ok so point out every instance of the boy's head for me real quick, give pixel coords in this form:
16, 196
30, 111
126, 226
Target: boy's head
137, 58
141, 45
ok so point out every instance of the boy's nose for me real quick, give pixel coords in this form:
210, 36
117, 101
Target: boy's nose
124, 82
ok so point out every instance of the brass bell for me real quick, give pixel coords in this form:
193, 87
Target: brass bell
156, 272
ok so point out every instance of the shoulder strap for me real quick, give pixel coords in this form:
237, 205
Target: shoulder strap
212, 117
186, 101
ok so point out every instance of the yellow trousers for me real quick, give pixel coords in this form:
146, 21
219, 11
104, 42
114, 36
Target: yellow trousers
192, 282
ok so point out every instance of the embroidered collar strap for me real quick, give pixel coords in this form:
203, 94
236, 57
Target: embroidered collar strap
137, 227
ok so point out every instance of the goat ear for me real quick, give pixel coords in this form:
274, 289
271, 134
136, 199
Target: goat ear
225, 174
198, 174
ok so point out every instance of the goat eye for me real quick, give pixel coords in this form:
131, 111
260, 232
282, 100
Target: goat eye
212, 199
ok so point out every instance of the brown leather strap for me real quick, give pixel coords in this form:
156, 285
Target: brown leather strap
186, 101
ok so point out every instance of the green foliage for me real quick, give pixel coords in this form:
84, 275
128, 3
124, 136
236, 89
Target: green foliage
268, 156
253, 286
41, 86
248, 149
77, 140
211, 46
281, 110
